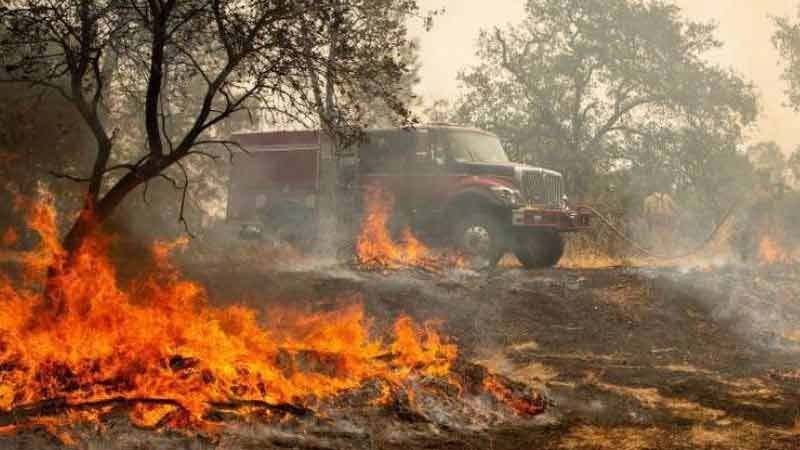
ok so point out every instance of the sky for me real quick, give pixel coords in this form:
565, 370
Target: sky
744, 26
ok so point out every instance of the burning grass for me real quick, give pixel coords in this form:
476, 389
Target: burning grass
75, 345
377, 249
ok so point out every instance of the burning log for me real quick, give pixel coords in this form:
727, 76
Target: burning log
311, 361
287, 408
60, 407
477, 380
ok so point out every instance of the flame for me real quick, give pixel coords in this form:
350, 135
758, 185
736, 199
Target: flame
159, 338
10, 237
520, 404
376, 248
771, 252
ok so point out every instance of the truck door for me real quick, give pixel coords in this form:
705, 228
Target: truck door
429, 180
383, 158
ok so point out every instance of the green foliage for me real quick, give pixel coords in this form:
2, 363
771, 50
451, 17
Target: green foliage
787, 40
379, 113
589, 87
768, 161
794, 167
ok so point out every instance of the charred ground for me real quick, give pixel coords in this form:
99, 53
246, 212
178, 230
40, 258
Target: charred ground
631, 357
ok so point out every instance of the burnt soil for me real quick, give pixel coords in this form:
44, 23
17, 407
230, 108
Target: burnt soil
631, 358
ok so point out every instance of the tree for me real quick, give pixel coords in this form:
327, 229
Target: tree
40, 133
588, 86
256, 56
768, 161
794, 168
438, 110
787, 41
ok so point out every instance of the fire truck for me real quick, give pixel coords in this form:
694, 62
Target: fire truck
454, 186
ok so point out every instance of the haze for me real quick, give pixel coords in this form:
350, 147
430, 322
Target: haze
745, 28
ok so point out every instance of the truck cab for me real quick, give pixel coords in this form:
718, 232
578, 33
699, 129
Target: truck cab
458, 187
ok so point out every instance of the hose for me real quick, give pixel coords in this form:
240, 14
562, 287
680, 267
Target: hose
646, 251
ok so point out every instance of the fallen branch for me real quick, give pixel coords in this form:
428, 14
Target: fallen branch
58, 406
55, 407
295, 410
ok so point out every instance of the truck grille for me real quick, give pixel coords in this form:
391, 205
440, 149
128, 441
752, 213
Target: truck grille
543, 187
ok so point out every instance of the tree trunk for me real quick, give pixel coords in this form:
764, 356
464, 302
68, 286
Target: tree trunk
53, 305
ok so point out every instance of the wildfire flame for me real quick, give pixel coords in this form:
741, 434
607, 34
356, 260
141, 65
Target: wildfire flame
9, 238
376, 248
159, 338
771, 252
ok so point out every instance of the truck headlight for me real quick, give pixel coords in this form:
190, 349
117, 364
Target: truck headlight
510, 197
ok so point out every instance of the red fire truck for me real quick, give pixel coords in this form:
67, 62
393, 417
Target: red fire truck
454, 185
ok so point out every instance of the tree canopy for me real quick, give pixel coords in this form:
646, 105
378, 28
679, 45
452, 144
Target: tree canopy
768, 160
592, 86
787, 40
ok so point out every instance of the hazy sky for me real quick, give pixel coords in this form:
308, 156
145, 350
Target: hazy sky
744, 26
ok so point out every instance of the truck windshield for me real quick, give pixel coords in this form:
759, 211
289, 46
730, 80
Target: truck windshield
469, 146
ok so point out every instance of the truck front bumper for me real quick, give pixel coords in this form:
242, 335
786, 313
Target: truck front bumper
551, 219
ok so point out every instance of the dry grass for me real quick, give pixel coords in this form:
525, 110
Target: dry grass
529, 346
685, 368
793, 335
723, 434
729, 437
534, 374
621, 438
652, 399
631, 300
583, 252
752, 391
739, 435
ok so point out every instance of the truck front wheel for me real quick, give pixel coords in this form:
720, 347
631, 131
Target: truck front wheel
480, 237
539, 250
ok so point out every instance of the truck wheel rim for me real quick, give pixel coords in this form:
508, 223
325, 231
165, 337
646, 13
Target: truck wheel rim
477, 240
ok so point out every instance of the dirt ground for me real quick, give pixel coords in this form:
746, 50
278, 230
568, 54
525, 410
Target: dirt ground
631, 358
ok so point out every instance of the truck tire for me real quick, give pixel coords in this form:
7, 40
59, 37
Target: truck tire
482, 239
291, 222
539, 250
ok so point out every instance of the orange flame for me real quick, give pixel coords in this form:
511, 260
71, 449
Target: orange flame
771, 252
10, 237
160, 339
522, 406
377, 249
375, 246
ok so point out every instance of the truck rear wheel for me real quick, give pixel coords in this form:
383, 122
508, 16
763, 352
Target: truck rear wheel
480, 236
539, 250
291, 222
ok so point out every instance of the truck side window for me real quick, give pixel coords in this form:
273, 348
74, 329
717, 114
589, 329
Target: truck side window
439, 149
385, 152
422, 157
